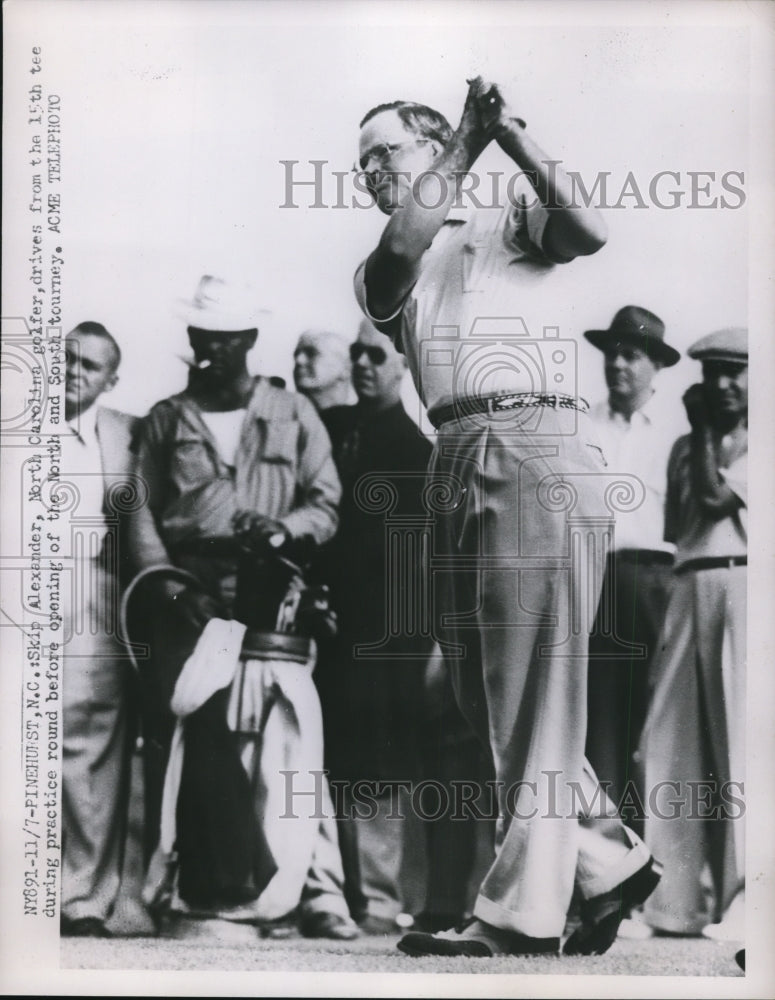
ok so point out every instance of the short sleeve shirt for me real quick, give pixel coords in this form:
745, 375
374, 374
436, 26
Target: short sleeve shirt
490, 311
696, 534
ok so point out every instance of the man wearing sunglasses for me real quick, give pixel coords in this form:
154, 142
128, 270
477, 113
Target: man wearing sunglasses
478, 304
372, 703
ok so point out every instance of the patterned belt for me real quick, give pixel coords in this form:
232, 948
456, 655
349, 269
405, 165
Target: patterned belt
711, 562
495, 404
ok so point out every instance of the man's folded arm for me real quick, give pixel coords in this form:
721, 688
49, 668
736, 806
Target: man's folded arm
571, 230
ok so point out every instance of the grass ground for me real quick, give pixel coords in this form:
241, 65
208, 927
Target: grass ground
333, 966
654, 957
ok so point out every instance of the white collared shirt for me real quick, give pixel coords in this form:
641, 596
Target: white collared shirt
490, 312
640, 447
82, 468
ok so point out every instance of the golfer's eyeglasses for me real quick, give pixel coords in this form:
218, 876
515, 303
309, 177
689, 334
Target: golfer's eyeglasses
376, 355
384, 152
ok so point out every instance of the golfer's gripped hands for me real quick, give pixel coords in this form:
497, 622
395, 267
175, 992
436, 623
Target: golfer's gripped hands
471, 131
485, 112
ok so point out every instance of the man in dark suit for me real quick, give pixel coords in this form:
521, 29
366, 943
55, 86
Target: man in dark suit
371, 678
97, 716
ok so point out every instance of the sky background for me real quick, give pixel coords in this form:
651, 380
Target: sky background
176, 115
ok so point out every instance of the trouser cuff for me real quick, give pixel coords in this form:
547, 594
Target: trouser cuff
615, 874
535, 923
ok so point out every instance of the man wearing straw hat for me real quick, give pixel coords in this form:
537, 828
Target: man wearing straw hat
236, 467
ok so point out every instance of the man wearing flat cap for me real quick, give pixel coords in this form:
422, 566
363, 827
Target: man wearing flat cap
636, 427
693, 738
235, 468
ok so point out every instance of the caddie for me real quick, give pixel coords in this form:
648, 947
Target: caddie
235, 467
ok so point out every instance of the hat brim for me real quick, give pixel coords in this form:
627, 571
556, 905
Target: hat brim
719, 355
657, 350
219, 320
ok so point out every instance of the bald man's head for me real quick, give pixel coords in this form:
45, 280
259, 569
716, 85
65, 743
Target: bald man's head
321, 367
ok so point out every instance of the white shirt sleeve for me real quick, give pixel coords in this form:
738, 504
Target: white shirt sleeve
526, 223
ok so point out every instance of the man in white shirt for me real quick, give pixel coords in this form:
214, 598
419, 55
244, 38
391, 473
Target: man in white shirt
96, 462
477, 306
636, 430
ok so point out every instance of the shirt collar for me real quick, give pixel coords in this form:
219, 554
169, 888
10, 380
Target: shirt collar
651, 409
647, 414
85, 427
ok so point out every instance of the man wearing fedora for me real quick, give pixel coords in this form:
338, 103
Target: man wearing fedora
694, 736
636, 428
229, 462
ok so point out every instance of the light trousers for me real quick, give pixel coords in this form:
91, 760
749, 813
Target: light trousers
517, 565
96, 750
694, 751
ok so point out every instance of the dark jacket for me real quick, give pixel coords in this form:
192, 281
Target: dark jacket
372, 696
